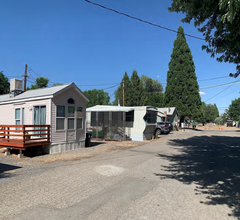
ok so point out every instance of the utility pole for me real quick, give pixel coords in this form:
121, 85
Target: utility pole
25, 78
123, 94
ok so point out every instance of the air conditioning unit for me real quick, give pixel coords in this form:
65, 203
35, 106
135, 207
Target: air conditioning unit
15, 85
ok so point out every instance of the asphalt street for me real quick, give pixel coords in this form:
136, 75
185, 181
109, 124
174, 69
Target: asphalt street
184, 175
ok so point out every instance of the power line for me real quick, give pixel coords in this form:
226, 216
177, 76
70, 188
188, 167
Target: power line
221, 92
33, 71
99, 84
144, 21
213, 78
229, 93
111, 87
30, 69
225, 84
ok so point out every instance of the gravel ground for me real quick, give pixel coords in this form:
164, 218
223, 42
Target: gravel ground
183, 176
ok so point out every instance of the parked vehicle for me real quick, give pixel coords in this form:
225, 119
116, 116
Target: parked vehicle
163, 128
170, 126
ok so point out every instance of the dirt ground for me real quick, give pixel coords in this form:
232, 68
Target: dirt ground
212, 126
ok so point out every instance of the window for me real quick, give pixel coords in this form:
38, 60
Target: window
60, 117
79, 118
130, 116
71, 117
150, 117
71, 101
17, 116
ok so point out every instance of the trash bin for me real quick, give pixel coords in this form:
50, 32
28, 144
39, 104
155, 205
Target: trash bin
88, 139
237, 124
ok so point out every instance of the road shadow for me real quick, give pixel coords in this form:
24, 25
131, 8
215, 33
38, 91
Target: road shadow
213, 164
7, 170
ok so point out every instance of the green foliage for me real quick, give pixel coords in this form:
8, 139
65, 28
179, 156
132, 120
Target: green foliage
138, 94
57, 84
4, 84
233, 111
140, 91
154, 94
210, 112
41, 82
218, 20
97, 97
221, 120
127, 89
182, 90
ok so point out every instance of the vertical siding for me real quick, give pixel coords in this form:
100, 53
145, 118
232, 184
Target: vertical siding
62, 99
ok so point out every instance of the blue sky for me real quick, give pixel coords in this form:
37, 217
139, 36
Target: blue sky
74, 41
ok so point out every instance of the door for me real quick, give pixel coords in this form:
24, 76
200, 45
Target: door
39, 117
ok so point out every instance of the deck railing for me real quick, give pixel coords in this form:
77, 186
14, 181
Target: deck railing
24, 135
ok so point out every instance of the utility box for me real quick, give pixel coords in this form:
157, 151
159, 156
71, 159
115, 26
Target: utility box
15, 85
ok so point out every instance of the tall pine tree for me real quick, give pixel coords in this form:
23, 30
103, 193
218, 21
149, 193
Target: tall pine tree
138, 94
127, 94
182, 90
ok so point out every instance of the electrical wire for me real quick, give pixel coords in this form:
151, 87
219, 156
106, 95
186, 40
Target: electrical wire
98, 84
213, 78
230, 93
225, 84
141, 20
111, 87
221, 91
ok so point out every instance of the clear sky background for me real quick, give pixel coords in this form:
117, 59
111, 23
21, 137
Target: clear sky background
74, 41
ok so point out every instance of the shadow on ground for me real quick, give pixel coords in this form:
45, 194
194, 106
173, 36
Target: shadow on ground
213, 164
6, 170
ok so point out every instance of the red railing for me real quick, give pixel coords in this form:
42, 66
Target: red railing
24, 135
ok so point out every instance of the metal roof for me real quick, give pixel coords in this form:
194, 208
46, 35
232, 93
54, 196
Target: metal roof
169, 110
109, 108
35, 94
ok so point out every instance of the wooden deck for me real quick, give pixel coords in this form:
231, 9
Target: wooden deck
23, 136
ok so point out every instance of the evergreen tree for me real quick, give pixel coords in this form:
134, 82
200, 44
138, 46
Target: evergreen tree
127, 94
182, 90
218, 21
138, 94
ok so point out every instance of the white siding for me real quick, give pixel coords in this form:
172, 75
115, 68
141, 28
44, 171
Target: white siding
7, 112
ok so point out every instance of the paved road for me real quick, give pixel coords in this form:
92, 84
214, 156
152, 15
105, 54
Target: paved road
185, 175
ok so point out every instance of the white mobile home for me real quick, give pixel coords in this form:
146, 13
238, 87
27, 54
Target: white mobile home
118, 122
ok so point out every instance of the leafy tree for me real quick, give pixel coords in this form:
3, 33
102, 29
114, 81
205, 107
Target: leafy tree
221, 120
182, 90
138, 94
233, 111
210, 112
57, 84
127, 93
97, 97
218, 20
154, 94
4, 84
41, 82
